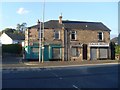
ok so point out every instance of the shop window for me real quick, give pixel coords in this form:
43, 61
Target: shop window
75, 52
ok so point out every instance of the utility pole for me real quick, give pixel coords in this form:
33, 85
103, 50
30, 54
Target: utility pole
43, 32
39, 42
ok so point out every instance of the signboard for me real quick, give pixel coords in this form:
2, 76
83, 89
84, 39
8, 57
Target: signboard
98, 45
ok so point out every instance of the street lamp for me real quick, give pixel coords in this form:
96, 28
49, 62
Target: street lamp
43, 32
39, 36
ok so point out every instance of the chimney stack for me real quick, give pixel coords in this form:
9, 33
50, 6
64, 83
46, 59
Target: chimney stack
60, 19
38, 22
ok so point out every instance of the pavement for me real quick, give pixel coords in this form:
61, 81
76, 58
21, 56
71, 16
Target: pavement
17, 62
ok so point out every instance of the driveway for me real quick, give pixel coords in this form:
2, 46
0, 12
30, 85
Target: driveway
11, 59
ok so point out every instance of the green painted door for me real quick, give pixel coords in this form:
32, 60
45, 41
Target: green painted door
46, 53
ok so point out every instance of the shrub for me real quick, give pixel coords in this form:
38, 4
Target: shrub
117, 49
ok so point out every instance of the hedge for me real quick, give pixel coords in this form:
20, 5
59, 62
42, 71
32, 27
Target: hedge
12, 48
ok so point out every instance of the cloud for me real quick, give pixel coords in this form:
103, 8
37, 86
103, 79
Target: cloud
22, 11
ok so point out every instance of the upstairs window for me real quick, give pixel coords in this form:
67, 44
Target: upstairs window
100, 36
56, 34
73, 35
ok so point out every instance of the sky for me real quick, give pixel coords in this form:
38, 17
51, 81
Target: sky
13, 13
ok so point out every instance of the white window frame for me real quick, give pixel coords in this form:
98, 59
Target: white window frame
58, 32
102, 36
75, 32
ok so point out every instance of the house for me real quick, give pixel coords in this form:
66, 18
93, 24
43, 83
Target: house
69, 40
10, 38
114, 40
119, 39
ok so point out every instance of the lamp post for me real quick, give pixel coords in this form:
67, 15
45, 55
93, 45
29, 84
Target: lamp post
39, 41
43, 32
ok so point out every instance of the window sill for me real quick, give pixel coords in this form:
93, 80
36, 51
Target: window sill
75, 56
100, 40
74, 40
57, 39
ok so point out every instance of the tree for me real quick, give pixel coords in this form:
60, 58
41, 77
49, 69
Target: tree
21, 27
8, 30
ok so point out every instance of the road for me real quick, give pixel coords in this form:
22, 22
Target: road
99, 76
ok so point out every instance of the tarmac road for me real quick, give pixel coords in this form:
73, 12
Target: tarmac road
97, 76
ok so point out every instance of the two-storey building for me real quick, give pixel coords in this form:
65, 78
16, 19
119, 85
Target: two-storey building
69, 40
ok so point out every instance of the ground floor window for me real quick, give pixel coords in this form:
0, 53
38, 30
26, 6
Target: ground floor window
35, 50
75, 51
56, 53
103, 53
99, 53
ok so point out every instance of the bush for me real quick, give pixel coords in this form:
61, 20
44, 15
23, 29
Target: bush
117, 49
12, 48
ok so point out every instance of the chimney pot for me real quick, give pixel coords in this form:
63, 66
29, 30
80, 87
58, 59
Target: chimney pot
60, 19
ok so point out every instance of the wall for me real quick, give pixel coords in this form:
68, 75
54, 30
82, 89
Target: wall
88, 36
33, 35
83, 37
5, 39
49, 36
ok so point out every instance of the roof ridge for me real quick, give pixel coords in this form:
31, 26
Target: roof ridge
65, 21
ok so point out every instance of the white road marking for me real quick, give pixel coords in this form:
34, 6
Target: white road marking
76, 87
56, 75
60, 78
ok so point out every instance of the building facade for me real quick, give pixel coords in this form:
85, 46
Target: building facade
69, 40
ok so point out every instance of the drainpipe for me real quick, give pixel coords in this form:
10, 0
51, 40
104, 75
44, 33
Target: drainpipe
66, 48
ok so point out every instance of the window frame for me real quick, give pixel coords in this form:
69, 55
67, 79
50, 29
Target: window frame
102, 36
58, 33
75, 35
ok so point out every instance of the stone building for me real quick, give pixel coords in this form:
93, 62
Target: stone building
69, 40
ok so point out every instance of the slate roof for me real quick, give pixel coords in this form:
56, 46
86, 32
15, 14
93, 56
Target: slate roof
74, 25
16, 36
115, 40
